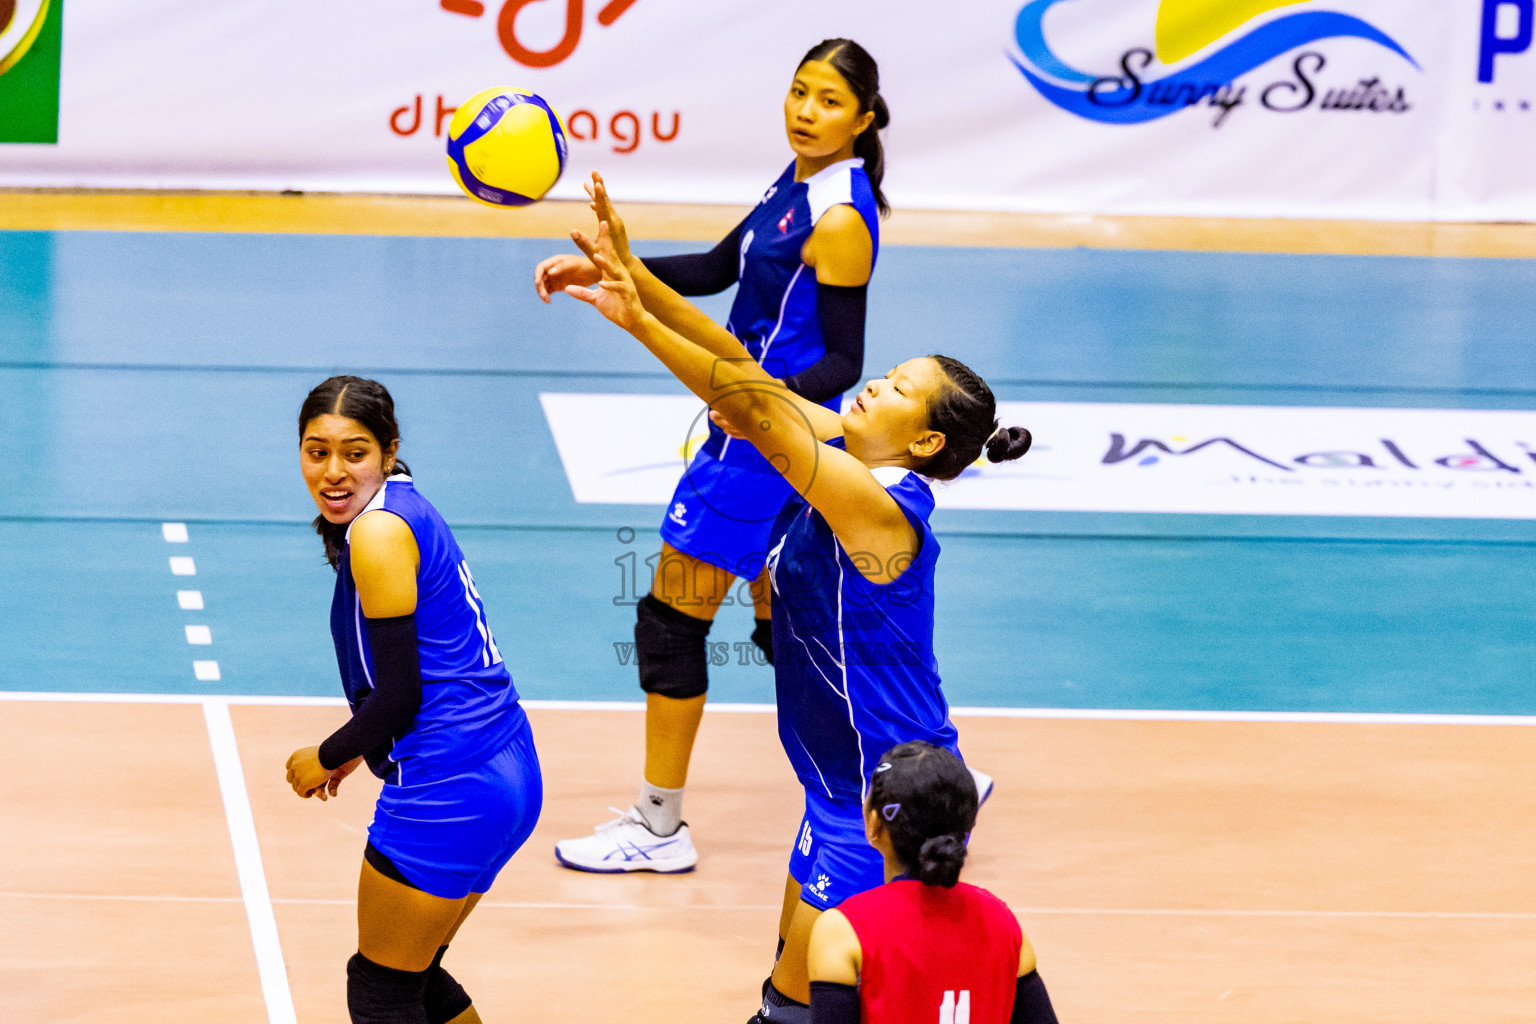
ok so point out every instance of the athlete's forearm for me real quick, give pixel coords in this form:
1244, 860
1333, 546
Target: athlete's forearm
1031, 1003
663, 302
832, 1003
390, 710
701, 273
732, 383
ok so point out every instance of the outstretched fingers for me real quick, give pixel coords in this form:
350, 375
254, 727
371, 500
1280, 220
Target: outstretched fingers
600, 200
600, 252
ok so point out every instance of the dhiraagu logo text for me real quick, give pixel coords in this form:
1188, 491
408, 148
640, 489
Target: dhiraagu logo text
30, 40
1200, 58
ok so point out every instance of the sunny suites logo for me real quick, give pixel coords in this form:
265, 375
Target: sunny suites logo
1146, 86
30, 41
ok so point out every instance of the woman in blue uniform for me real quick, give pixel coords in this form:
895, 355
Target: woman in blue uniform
802, 260
434, 711
851, 562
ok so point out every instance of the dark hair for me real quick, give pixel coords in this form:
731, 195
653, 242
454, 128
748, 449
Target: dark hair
927, 799
862, 74
368, 402
964, 411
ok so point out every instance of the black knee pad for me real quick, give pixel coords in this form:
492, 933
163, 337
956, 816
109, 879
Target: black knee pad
445, 998
762, 635
671, 650
382, 995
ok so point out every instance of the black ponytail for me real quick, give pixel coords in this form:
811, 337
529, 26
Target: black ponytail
927, 799
964, 410
862, 74
369, 403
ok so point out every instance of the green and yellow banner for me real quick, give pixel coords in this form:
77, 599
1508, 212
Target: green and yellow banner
30, 42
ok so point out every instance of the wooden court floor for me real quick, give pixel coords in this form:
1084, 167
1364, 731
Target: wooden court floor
1165, 871
320, 213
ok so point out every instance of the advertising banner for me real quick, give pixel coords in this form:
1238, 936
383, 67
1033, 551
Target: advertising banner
1412, 109
1114, 457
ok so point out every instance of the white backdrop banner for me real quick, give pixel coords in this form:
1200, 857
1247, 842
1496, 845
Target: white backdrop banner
1113, 457
1415, 109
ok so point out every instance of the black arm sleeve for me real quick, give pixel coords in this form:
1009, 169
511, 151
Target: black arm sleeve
832, 1003
1031, 1004
841, 312
389, 711
701, 273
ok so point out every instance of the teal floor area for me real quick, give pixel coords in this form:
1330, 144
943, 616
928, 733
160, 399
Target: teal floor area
147, 378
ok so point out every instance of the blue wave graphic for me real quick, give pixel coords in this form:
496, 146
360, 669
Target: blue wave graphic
1030, 33
1124, 105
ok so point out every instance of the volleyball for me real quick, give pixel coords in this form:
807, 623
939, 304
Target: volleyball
506, 147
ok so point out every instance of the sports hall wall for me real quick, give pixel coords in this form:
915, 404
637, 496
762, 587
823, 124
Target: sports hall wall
1411, 109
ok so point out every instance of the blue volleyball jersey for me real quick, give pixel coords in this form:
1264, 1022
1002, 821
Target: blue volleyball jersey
853, 660
469, 707
774, 312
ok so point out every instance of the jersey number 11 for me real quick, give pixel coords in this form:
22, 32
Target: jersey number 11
955, 1010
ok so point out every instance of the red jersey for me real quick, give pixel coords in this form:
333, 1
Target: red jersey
933, 955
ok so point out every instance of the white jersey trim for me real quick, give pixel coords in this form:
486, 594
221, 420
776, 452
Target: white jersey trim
842, 664
889, 476
376, 502
831, 186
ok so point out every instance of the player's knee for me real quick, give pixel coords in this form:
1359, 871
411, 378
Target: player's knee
444, 999
383, 995
671, 649
762, 636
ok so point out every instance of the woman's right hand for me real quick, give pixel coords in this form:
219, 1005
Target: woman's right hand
615, 296
558, 271
339, 774
603, 207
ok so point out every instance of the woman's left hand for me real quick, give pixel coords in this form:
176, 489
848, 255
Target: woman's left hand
725, 425
615, 295
305, 774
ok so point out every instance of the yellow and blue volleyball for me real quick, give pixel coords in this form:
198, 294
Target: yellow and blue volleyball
506, 147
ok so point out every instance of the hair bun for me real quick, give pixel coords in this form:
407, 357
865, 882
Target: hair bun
882, 112
940, 860
1008, 443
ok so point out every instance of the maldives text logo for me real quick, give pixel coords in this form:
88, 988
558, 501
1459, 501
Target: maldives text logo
1137, 93
30, 38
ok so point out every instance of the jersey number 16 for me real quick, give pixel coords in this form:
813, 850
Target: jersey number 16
489, 655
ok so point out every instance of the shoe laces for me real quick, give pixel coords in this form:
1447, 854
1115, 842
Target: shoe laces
625, 817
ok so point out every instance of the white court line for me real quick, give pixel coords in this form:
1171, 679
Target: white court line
1450, 915
91, 896
253, 879
1082, 714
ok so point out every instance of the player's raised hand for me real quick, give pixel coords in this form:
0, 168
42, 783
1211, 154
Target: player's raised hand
615, 295
555, 273
603, 207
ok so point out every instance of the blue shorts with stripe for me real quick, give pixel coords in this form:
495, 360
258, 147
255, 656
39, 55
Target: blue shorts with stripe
722, 513
451, 836
832, 859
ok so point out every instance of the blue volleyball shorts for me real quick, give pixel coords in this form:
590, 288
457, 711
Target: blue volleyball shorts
832, 859
450, 837
722, 513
